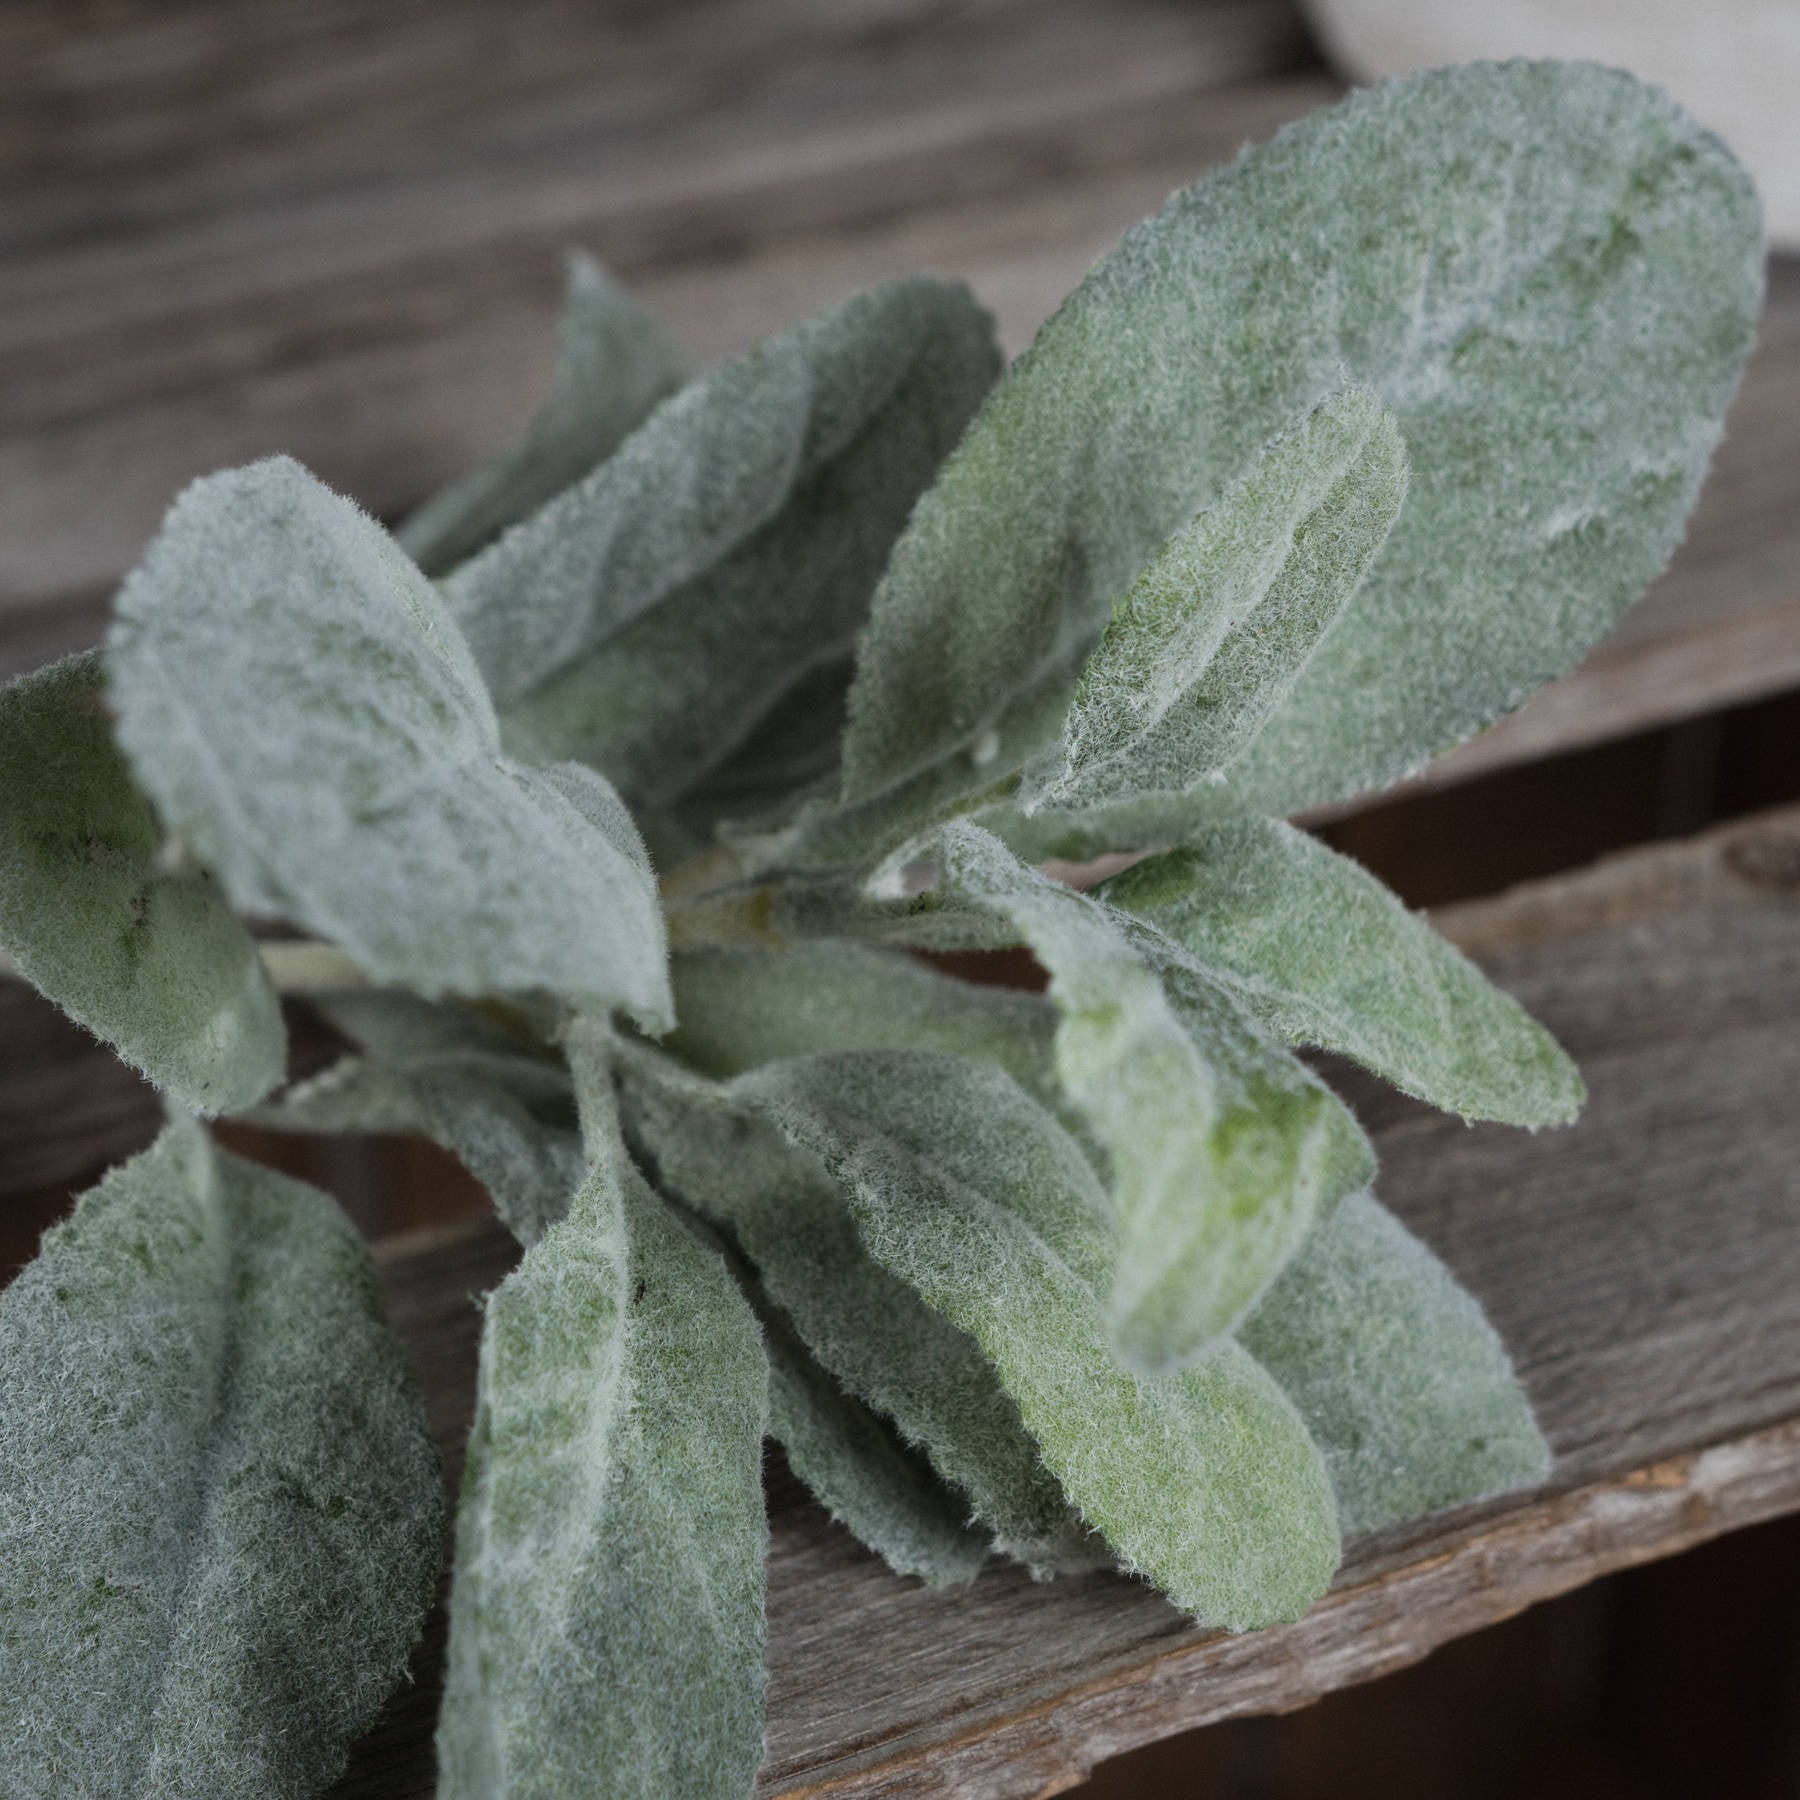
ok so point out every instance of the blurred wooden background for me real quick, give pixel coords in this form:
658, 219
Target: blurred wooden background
335, 229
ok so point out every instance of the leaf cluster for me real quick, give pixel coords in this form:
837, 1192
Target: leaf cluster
638, 782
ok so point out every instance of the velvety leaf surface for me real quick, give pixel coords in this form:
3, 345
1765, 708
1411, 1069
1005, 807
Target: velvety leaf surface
1213, 634
613, 368
1205, 1482
829, 832
1223, 1148
1548, 273
220, 1510
660, 704
792, 750
606, 1622
858, 1468
302, 710
1318, 950
500, 1105
863, 1324
1143, 822
740, 1008
709, 468
1402, 1382
147, 957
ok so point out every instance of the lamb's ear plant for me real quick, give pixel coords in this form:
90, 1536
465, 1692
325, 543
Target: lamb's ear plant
1331, 463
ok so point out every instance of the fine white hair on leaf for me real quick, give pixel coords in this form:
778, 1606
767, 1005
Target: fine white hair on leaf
1546, 271
1205, 1482
606, 1618
613, 368
1222, 1147
220, 1510
498, 1102
140, 947
1320, 952
713, 465
741, 1008
859, 1468
293, 696
663, 699
1404, 1385
861, 1321
1214, 633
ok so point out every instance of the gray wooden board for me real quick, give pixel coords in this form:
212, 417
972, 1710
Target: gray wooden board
338, 233
1643, 1266
334, 230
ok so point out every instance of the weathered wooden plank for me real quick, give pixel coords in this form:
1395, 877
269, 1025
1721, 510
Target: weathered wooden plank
383, 310
346, 241
1642, 1266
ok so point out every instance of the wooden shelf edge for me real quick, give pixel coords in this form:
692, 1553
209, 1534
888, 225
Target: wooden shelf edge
1374, 1621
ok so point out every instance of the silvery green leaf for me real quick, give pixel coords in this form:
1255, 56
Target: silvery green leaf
1205, 1482
296, 701
498, 1103
1547, 272
1223, 1148
351, 1097
864, 1325
787, 914
606, 1620
883, 1492
793, 748
1403, 1384
665, 700
494, 1041
220, 1511
829, 833
613, 368
708, 469
1144, 822
741, 1008
145, 955
1319, 951
789, 757
1214, 633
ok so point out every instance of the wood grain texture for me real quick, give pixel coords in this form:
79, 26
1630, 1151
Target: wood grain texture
1642, 1267
335, 230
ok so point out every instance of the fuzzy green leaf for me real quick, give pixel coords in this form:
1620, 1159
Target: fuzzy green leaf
606, 1622
1205, 1482
711, 467
1403, 1384
1547, 272
220, 1511
858, 1468
1223, 1148
663, 702
1214, 633
613, 368
497, 1102
1319, 951
304, 713
866, 1326
741, 1008
790, 752
1143, 822
828, 833
145, 956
